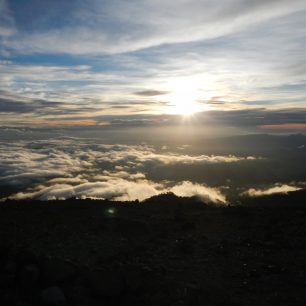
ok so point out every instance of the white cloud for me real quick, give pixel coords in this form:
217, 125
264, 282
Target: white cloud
124, 175
252, 192
205, 193
120, 26
122, 190
68, 180
137, 156
59, 169
116, 189
21, 166
75, 167
68, 159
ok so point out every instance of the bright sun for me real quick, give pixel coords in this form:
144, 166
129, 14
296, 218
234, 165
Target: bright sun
183, 98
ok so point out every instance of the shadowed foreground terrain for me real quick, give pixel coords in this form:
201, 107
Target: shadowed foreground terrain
164, 251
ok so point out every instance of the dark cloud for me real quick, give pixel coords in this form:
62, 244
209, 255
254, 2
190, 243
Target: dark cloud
8, 106
150, 93
252, 118
213, 101
255, 117
13, 103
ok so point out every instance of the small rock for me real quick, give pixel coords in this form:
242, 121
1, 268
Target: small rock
53, 296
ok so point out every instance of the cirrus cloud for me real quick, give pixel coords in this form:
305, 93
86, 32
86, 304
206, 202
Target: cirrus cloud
154, 23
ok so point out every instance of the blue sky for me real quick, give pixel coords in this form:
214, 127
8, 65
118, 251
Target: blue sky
90, 62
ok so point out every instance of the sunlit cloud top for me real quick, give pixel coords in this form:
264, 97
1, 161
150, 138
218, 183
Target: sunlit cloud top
74, 61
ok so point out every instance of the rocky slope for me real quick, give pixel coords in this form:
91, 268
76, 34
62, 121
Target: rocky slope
165, 251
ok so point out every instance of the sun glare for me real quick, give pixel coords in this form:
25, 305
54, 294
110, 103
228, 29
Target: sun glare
183, 98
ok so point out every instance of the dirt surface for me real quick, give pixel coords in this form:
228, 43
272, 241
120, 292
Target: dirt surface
166, 251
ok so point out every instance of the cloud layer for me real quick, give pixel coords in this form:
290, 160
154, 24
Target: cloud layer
59, 169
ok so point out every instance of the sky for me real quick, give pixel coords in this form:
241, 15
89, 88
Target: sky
127, 99
232, 63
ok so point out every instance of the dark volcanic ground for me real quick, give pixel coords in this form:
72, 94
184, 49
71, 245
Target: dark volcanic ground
165, 251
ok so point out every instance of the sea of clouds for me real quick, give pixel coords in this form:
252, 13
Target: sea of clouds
64, 168
72, 167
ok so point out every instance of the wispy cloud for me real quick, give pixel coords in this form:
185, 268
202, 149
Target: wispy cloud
7, 24
153, 23
252, 192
